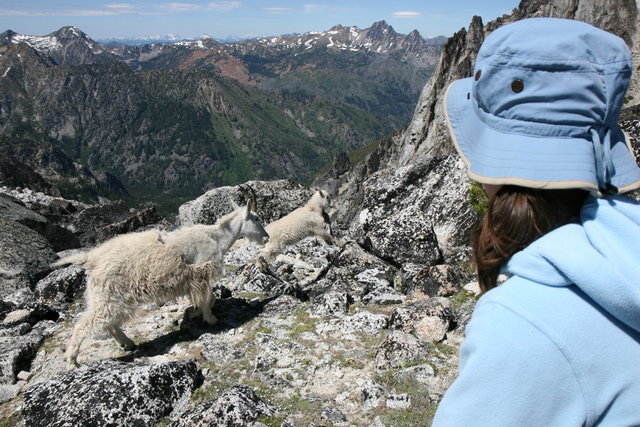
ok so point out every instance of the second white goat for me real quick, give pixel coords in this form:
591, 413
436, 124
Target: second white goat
308, 220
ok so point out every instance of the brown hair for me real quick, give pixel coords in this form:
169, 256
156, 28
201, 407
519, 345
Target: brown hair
516, 217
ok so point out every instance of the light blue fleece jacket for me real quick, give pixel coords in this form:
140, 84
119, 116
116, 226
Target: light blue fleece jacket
558, 344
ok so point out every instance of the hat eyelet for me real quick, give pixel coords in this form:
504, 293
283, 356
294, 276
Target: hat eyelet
478, 74
517, 85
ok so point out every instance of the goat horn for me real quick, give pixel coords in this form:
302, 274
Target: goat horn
253, 206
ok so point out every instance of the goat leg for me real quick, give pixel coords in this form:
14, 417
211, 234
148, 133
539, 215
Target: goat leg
125, 342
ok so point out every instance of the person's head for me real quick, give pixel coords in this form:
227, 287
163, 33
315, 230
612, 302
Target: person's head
540, 113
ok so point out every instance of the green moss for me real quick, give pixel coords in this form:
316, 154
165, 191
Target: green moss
462, 298
445, 349
421, 411
298, 404
52, 343
410, 417
477, 198
249, 295
272, 421
10, 421
254, 328
303, 323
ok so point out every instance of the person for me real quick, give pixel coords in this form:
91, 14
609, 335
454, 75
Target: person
558, 343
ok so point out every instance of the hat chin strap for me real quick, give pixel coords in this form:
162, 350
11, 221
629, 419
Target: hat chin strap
604, 162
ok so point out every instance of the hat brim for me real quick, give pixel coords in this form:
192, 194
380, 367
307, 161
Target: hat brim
497, 157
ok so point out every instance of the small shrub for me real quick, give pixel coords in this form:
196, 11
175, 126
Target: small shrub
477, 198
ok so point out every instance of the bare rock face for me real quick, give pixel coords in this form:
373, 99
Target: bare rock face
416, 213
133, 222
110, 393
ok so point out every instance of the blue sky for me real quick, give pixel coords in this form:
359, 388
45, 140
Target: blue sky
241, 18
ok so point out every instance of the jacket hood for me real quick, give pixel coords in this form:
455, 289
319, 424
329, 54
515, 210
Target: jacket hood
600, 254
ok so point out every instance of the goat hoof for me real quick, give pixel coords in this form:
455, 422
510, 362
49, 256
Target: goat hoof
191, 313
129, 346
211, 320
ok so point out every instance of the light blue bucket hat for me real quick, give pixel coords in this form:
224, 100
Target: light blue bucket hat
542, 107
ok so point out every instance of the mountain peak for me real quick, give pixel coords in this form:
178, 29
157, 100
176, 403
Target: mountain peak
7, 36
69, 33
380, 30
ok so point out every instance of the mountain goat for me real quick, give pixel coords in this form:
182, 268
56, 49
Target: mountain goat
152, 266
308, 220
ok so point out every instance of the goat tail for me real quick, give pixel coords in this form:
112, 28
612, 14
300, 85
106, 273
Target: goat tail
77, 259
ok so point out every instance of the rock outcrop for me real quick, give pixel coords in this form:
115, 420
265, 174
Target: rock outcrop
110, 393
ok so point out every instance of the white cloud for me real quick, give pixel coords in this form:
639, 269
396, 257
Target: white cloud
119, 6
315, 8
406, 14
277, 10
109, 9
12, 12
224, 5
182, 7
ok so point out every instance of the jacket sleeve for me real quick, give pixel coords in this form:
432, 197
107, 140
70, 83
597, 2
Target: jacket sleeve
512, 373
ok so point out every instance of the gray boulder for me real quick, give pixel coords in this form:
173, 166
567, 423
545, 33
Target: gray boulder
429, 320
437, 280
334, 416
237, 406
110, 393
416, 213
61, 287
16, 353
134, 222
24, 257
333, 302
59, 237
400, 349
18, 347
251, 279
86, 223
354, 271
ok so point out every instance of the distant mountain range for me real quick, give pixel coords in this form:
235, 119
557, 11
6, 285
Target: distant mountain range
171, 120
172, 38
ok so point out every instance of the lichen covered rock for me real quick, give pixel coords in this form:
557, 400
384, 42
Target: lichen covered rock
110, 393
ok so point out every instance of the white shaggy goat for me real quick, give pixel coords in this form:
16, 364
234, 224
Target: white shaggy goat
151, 266
308, 220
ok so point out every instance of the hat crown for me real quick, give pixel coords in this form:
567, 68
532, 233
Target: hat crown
557, 76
